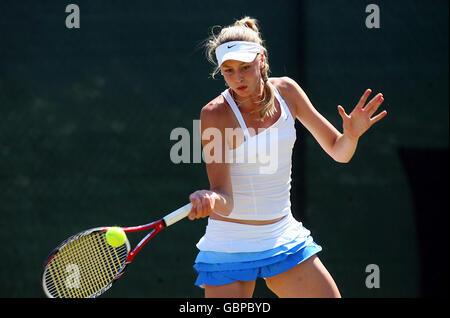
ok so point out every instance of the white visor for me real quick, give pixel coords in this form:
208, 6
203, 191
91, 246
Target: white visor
237, 50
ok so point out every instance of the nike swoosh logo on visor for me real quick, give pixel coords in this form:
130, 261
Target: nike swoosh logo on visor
230, 46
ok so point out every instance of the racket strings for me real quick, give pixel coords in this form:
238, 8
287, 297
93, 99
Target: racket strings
84, 266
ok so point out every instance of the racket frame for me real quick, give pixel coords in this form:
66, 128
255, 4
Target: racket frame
65, 243
155, 228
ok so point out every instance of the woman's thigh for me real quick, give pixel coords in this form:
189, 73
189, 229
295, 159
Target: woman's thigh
309, 279
239, 289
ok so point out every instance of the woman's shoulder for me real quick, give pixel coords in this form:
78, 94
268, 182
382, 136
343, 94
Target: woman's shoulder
289, 91
285, 85
216, 112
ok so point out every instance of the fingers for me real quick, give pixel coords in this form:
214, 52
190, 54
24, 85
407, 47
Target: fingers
378, 117
193, 213
363, 98
202, 204
342, 112
373, 105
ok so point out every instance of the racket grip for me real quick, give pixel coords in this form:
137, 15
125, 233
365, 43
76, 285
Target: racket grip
177, 215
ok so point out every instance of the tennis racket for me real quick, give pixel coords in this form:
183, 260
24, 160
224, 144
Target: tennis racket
86, 266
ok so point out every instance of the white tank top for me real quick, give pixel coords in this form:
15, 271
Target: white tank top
260, 167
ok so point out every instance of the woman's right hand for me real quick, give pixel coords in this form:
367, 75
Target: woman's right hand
203, 203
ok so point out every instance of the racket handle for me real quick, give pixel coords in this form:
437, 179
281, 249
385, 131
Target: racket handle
177, 215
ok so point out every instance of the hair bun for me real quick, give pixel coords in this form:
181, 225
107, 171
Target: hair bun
249, 23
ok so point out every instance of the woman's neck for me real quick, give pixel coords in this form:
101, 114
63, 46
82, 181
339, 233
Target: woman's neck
249, 104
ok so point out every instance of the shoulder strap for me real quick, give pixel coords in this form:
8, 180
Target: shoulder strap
236, 112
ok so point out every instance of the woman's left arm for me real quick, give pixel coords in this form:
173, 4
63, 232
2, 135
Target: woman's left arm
340, 146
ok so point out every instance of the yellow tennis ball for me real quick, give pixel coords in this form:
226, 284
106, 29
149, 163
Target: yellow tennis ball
115, 236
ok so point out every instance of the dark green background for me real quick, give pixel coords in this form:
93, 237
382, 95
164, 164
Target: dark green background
86, 114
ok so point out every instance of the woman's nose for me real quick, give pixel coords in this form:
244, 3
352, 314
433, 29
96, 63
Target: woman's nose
239, 76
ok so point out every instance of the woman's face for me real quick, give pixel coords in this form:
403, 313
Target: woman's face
243, 78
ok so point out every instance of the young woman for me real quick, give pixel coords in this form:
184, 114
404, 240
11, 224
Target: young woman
251, 232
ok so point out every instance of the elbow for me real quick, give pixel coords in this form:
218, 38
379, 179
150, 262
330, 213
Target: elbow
342, 160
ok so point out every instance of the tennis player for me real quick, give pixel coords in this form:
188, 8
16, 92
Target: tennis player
251, 232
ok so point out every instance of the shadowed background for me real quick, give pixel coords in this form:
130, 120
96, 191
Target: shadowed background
86, 116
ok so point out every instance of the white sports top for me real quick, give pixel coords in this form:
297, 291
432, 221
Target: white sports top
260, 167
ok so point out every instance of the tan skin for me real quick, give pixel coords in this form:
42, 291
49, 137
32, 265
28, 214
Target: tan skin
310, 278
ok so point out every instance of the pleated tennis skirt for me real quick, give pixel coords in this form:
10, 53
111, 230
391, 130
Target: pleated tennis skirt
280, 247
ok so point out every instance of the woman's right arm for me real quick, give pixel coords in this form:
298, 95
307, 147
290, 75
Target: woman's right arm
219, 197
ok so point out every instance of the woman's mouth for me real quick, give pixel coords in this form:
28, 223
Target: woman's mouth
241, 88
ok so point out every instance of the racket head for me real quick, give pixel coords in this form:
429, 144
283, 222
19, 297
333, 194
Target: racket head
83, 266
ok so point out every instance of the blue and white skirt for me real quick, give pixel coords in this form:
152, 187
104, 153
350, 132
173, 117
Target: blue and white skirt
232, 252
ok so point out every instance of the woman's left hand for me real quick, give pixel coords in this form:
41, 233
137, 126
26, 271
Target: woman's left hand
360, 119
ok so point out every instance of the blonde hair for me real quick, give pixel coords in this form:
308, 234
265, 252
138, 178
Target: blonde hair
245, 29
